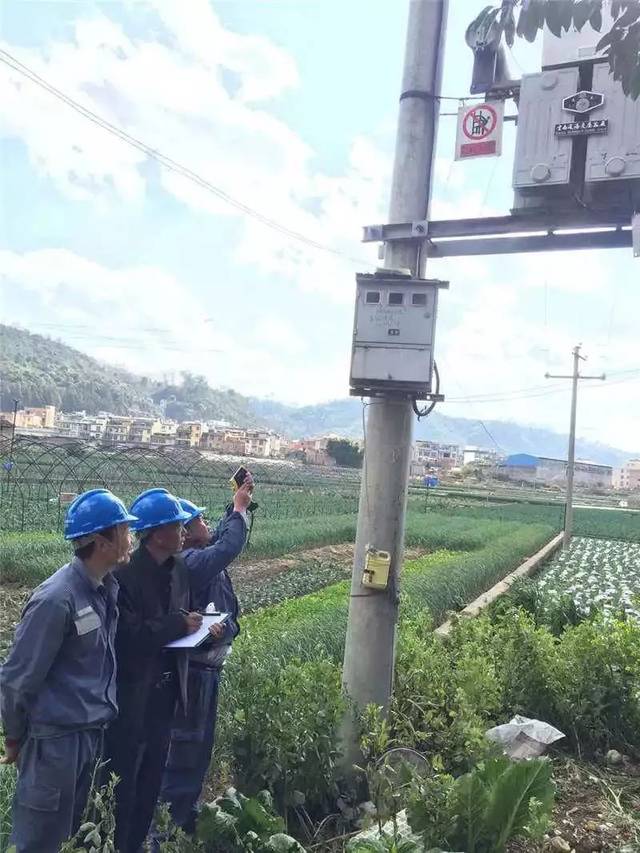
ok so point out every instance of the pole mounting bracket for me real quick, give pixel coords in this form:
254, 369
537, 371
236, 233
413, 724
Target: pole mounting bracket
527, 231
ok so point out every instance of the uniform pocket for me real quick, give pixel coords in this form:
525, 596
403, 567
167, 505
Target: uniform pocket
41, 798
190, 726
86, 621
184, 754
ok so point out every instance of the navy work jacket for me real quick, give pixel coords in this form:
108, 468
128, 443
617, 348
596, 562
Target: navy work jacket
60, 674
146, 625
208, 576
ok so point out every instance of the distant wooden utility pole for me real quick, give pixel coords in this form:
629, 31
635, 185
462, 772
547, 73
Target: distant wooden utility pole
571, 459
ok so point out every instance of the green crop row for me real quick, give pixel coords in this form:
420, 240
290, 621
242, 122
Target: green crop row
314, 572
41, 509
301, 641
315, 624
28, 558
623, 525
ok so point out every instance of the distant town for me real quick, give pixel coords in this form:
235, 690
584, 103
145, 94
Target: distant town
430, 459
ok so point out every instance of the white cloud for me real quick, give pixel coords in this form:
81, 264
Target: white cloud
146, 320
491, 346
171, 91
203, 95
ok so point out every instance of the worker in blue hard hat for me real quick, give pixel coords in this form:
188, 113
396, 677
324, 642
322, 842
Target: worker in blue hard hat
207, 555
58, 685
155, 609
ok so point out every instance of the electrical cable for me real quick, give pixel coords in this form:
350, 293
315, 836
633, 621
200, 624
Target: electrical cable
485, 428
168, 162
628, 375
424, 413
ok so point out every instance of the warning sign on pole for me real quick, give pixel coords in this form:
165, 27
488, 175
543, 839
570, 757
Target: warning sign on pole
480, 130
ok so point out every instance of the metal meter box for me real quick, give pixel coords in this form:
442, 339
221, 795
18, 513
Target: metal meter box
543, 159
615, 156
393, 334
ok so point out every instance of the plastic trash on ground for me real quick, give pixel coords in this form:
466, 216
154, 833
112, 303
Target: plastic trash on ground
373, 833
523, 738
401, 830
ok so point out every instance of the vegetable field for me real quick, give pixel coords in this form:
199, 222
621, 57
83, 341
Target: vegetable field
595, 573
277, 730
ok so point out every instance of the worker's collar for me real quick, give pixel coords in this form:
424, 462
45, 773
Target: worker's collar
149, 560
95, 584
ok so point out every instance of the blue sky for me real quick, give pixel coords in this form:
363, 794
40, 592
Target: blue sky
290, 108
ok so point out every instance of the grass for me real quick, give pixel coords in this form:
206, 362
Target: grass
315, 625
7, 787
597, 523
28, 558
468, 556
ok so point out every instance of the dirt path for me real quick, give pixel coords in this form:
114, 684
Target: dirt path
596, 809
248, 576
253, 571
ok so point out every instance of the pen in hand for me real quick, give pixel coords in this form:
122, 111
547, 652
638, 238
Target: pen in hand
193, 620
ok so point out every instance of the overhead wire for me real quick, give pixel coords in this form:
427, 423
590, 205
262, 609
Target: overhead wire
485, 428
128, 343
170, 164
627, 375
176, 167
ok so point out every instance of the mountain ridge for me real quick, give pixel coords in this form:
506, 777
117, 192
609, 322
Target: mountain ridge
38, 370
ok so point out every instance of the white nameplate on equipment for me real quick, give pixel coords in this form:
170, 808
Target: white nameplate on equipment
190, 641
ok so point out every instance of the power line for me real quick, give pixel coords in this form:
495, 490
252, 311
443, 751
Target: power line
168, 162
484, 427
629, 375
129, 343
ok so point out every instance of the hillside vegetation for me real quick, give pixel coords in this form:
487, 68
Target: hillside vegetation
39, 371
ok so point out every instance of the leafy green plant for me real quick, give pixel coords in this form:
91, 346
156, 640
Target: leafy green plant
171, 838
482, 810
282, 733
234, 823
592, 574
96, 833
386, 844
621, 43
445, 697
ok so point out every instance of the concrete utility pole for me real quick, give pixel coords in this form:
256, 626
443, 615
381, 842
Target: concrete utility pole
571, 457
373, 614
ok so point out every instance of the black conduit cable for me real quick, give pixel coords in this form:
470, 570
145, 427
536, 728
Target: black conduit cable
424, 413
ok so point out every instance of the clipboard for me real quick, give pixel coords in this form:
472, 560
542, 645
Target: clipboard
192, 641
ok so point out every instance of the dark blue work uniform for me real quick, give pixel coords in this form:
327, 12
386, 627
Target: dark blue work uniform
193, 733
57, 694
151, 680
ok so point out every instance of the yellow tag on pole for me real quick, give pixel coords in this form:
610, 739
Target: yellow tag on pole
376, 569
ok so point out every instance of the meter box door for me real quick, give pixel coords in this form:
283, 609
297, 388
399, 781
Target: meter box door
543, 159
393, 335
613, 159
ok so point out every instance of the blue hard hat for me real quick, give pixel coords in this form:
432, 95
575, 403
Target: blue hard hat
93, 511
193, 510
156, 507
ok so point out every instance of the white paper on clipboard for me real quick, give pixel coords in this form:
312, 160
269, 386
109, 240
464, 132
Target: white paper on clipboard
199, 636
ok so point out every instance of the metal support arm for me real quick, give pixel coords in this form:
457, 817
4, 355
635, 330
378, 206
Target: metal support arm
521, 232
